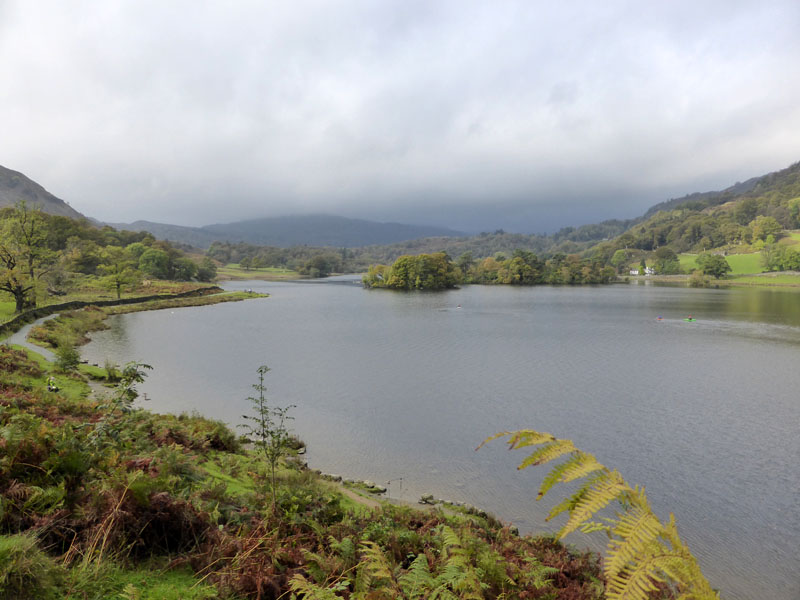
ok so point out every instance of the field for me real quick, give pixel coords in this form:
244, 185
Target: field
770, 280
741, 264
234, 271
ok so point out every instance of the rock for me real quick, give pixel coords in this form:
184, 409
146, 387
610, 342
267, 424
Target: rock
427, 499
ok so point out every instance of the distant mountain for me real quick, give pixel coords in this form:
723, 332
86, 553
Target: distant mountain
310, 230
15, 187
193, 236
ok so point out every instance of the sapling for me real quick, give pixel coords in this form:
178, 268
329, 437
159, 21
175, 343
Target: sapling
118, 406
266, 428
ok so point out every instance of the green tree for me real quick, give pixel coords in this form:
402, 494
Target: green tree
184, 269
119, 269
666, 262
745, 211
620, 260
266, 428
713, 264
206, 270
24, 255
154, 263
763, 226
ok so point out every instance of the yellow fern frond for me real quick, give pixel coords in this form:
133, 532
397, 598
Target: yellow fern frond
604, 490
310, 591
579, 465
637, 582
642, 551
569, 503
549, 452
520, 439
374, 569
637, 529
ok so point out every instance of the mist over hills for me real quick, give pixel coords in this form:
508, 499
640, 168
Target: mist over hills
16, 187
282, 232
774, 194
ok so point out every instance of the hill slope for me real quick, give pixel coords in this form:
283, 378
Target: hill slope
15, 187
311, 230
701, 222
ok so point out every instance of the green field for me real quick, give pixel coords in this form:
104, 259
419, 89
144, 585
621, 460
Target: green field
741, 264
234, 271
782, 280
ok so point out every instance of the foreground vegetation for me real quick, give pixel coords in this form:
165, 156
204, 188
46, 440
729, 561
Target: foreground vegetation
103, 500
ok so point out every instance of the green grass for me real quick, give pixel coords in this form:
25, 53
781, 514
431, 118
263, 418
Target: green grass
234, 271
73, 389
155, 584
794, 236
782, 280
235, 486
741, 264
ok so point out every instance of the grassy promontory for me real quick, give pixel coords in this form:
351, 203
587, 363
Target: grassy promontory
102, 502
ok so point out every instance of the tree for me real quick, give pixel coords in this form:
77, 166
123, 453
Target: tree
713, 264
268, 430
666, 261
24, 255
745, 211
207, 270
184, 269
154, 263
765, 226
119, 268
620, 260
465, 262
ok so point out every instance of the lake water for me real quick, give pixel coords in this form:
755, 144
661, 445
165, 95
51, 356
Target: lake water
401, 387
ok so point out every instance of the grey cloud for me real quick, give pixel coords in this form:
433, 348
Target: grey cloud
455, 111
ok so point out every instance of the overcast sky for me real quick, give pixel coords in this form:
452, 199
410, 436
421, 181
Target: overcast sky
524, 115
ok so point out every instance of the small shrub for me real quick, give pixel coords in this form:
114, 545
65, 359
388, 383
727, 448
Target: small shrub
67, 358
112, 371
698, 279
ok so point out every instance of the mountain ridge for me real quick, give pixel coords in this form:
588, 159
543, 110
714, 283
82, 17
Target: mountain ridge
16, 187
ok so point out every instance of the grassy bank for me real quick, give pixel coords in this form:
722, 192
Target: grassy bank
233, 271
100, 502
88, 289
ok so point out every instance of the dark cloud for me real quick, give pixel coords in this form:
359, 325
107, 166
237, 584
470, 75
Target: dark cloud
515, 114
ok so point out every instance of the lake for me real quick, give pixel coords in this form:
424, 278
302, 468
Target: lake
401, 388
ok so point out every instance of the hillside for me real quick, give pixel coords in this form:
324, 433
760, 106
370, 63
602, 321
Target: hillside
16, 187
739, 215
282, 232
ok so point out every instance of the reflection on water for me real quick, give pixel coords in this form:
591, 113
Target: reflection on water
391, 386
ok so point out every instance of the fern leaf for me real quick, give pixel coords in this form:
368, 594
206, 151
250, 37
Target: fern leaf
374, 570
449, 538
520, 439
578, 465
638, 529
569, 503
581, 468
310, 591
418, 581
603, 490
547, 453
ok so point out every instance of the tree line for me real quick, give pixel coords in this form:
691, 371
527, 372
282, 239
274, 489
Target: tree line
43, 254
437, 271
